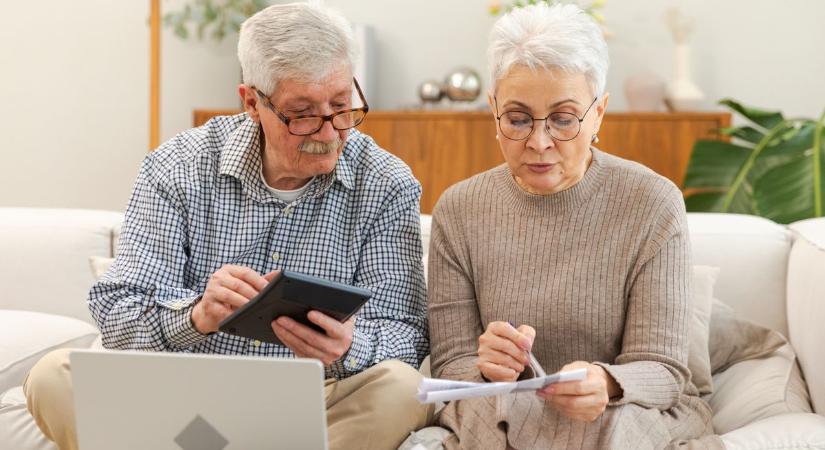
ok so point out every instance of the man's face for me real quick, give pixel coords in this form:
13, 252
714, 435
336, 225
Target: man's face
302, 157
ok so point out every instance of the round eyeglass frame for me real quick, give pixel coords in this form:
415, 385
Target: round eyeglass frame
327, 118
546, 124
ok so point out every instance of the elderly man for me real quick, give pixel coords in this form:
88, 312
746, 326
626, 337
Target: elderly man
289, 184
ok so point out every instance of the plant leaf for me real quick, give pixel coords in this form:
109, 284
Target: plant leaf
714, 164
765, 119
783, 194
745, 133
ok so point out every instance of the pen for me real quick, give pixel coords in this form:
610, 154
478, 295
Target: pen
535, 365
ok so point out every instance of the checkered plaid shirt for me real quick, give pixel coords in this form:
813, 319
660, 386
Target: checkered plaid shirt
199, 203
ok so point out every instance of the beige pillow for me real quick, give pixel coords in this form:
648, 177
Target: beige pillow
704, 277
99, 265
756, 389
733, 339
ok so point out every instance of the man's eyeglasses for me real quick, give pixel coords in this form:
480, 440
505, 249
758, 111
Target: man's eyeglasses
562, 126
306, 125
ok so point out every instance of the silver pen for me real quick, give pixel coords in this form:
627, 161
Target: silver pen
534, 364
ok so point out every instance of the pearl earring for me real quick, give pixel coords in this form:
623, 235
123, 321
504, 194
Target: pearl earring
496, 135
595, 139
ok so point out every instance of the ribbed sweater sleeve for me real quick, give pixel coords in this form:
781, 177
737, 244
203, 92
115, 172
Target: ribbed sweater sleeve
652, 366
453, 310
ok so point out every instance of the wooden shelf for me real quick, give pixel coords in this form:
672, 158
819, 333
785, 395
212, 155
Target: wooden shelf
444, 147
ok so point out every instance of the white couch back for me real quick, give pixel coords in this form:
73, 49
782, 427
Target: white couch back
44, 257
752, 253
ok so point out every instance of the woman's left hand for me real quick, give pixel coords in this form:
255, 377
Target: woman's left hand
583, 400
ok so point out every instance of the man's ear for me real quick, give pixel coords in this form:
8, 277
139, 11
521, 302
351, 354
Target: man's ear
249, 100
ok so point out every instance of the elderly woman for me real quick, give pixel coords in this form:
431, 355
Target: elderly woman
566, 251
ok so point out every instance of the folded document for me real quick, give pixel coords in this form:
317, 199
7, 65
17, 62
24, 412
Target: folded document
432, 390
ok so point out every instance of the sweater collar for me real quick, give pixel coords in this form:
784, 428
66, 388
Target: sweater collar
559, 202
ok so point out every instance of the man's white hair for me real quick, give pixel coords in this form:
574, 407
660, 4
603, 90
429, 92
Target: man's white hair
295, 40
542, 37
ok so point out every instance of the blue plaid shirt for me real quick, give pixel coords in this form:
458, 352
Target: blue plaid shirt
199, 203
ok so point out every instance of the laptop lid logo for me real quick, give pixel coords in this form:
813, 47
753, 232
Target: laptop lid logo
200, 435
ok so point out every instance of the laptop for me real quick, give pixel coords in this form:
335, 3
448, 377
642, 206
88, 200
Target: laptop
176, 401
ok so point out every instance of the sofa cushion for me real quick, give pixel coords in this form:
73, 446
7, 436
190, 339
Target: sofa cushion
806, 304
752, 253
756, 389
44, 261
26, 336
17, 428
783, 432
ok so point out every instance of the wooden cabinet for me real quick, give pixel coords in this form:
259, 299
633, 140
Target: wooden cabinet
444, 147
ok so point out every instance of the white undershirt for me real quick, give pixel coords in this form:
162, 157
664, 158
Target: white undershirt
286, 196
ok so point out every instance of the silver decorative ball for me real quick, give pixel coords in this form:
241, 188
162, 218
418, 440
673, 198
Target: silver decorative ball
430, 91
462, 84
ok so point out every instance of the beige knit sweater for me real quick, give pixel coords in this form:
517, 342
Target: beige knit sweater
600, 270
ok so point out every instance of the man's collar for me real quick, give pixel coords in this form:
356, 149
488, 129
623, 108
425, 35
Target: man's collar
241, 159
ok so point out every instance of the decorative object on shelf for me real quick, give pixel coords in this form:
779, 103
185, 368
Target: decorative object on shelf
775, 168
462, 85
644, 92
681, 93
430, 92
222, 16
495, 8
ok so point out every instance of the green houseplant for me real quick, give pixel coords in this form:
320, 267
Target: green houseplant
773, 167
219, 16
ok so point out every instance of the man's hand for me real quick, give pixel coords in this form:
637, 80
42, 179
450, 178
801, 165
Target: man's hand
502, 351
308, 343
227, 290
583, 400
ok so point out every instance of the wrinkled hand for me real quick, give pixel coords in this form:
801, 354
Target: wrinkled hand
502, 351
229, 288
583, 400
308, 343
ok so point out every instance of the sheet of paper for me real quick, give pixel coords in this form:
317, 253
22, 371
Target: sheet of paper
436, 390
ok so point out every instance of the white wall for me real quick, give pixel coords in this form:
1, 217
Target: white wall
761, 52
74, 78
73, 102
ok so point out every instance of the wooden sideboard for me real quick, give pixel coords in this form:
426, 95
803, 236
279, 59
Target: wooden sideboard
444, 147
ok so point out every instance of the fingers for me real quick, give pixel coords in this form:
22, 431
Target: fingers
495, 372
272, 275
582, 400
304, 341
506, 331
249, 276
528, 331
333, 328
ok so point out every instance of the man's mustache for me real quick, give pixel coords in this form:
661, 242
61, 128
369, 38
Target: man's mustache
319, 148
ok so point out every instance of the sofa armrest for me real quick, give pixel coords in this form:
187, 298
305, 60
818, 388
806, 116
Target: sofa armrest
806, 308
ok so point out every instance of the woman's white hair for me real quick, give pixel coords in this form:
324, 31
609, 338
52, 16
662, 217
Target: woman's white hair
295, 40
541, 37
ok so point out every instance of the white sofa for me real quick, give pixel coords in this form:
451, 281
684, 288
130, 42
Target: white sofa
770, 274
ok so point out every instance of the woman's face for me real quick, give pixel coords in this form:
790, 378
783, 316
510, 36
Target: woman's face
544, 163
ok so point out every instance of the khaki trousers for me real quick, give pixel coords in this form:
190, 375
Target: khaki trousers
375, 409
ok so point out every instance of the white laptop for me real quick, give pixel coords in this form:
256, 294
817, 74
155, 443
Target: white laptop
140, 400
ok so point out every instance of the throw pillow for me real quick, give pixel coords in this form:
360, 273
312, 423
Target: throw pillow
704, 278
755, 389
733, 339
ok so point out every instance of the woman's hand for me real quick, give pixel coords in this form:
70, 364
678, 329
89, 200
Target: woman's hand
502, 351
583, 400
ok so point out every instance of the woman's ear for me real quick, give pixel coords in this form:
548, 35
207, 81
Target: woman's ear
601, 107
249, 100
